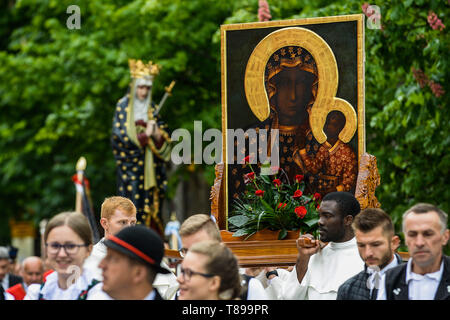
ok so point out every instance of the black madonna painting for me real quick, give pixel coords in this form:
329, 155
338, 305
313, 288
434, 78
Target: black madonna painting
295, 91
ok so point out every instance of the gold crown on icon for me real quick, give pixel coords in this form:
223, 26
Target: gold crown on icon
139, 69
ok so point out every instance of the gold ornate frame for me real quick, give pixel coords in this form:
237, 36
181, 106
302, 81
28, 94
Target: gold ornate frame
291, 33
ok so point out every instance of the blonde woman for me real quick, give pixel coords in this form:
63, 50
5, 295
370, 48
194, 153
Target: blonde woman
68, 242
209, 271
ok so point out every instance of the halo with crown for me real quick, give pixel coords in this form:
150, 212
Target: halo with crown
293, 57
327, 77
139, 69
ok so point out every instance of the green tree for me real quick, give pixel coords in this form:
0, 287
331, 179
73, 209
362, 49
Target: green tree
58, 89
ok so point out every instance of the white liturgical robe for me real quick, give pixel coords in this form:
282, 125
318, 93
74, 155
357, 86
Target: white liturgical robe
327, 270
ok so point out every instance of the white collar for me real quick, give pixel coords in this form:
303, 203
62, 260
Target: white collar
100, 245
410, 275
342, 245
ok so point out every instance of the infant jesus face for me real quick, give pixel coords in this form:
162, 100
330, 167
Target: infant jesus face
334, 125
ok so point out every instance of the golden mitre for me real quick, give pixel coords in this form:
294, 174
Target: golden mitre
139, 69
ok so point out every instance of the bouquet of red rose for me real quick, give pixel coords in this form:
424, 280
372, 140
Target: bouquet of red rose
272, 202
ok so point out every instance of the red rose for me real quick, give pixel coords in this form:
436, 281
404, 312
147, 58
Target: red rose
299, 178
300, 212
259, 193
282, 205
248, 158
277, 182
318, 207
316, 196
298, 194
249, 177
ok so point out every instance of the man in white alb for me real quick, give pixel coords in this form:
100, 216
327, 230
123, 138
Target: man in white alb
320, 268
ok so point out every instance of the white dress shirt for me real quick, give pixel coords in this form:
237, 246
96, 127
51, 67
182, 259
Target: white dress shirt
99, 294
420, 287
5, 282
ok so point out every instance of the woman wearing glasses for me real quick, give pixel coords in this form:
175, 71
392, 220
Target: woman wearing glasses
68, 242
209, 271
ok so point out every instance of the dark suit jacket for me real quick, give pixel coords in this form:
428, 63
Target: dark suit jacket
13, 280
356, 287
2, 293
397, 288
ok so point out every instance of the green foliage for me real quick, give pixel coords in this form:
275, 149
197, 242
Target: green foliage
58, 89
406, 124
269, 203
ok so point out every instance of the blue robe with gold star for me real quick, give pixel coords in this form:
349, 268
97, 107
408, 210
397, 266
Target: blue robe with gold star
141, 170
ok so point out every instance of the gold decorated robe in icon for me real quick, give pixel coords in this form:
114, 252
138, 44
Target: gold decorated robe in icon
334, 166
287, 145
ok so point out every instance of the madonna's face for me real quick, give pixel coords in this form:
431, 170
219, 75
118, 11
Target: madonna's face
293, 94
142, 92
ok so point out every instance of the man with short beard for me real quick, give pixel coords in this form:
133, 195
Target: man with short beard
322, 268
426, 276
377, 243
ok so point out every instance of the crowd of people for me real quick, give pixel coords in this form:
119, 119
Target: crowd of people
355, 258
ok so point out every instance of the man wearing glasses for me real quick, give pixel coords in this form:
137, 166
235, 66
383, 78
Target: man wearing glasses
201, 227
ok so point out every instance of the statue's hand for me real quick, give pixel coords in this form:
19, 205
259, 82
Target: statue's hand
153, 129
151, 124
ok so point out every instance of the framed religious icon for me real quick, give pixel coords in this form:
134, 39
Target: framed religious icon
294, 90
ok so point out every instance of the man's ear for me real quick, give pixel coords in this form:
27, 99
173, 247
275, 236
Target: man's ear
445, 237
395, 242
348, 220
104, 223
139, 273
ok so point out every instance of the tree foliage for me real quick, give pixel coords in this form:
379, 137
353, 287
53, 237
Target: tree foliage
58, 89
